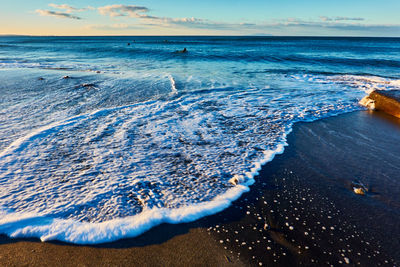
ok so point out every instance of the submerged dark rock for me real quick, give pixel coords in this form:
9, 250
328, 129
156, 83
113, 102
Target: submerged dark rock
182, 51
88, 85
387, 101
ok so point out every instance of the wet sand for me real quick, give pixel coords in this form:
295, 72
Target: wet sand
163, 246
301, 211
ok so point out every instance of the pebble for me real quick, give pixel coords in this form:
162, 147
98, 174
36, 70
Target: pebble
359, 190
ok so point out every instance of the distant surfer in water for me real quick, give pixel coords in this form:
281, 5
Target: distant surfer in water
182, 51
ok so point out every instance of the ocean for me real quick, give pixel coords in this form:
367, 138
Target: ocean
103, 138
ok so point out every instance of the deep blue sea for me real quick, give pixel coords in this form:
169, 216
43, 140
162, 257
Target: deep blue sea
137, 135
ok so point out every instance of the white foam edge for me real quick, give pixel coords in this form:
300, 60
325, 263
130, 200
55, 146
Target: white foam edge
26, 225
31, 225
174, 91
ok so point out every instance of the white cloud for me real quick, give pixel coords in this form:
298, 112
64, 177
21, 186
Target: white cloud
344, 24
140, 12
338, 24
68, 8
123, 10
42, 12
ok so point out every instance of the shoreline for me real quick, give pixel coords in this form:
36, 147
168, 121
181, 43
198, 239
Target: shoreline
302, 209
189, 243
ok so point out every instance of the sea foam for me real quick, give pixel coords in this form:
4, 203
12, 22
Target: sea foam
117, 172
68, 230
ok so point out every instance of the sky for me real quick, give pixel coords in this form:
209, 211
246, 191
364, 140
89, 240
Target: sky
202, 17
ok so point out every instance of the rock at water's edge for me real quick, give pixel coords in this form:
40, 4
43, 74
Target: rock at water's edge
368, 102
387, 101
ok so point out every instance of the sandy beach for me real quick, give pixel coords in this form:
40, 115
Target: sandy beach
301, 211
194, 248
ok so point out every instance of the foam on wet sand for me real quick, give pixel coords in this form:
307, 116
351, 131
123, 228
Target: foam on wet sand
301, 209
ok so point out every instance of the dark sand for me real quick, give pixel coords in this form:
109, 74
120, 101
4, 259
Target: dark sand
301, 211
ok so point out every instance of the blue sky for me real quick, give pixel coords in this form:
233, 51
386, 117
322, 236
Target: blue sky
206, 17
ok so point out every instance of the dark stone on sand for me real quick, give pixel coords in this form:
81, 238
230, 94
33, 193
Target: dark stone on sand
387, 101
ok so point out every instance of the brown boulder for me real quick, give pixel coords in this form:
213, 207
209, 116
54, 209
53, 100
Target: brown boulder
387, 101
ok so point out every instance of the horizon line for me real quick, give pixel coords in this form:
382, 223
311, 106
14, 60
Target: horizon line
196, 35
